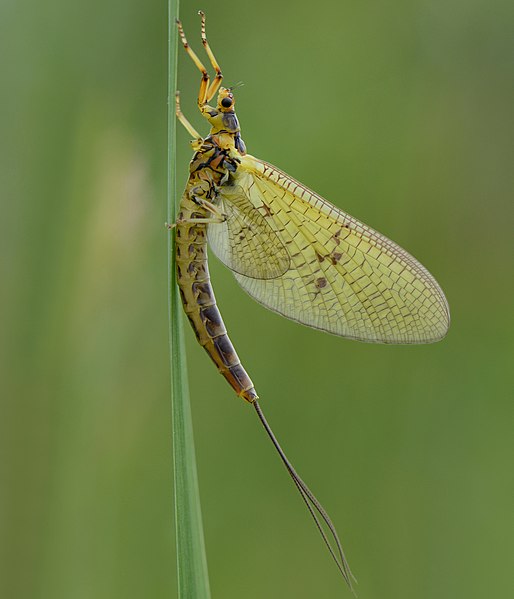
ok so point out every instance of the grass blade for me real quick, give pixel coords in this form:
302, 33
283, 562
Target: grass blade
193, 580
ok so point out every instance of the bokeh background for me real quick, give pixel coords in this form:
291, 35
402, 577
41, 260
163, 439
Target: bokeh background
400, 113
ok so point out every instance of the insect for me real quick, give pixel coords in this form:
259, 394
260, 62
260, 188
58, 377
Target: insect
293, 252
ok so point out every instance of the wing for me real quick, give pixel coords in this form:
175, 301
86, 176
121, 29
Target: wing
342, 276
245, 242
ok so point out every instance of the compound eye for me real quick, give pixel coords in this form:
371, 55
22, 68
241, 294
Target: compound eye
227, 102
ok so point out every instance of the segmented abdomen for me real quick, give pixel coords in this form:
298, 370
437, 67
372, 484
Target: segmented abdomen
199, 301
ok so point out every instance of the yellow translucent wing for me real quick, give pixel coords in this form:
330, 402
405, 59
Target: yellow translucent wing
245, 242
342, 276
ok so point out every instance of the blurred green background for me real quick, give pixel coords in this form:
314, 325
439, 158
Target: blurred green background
401, 114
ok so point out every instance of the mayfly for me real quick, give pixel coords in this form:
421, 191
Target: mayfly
293, 252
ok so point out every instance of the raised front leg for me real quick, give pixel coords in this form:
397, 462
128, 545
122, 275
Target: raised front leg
207, 89
213, 88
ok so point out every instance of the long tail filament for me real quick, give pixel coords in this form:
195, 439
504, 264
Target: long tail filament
313, 505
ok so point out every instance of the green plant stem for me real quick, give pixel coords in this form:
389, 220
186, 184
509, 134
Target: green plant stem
193, 580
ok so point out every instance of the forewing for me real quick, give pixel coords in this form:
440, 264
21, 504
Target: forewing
343, 277
245, 242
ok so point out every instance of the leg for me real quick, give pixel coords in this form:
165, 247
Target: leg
207, 91
190, 129
198, 221
216, 216
205, 221
210, 207
204, 84
213, 88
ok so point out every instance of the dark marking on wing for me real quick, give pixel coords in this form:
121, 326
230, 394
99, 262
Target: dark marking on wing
335, 257
336, 236
267, 209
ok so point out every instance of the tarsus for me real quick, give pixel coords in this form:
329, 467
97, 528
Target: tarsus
313, 505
